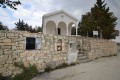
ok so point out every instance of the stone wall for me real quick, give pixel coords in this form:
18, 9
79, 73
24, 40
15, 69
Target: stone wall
54, 50
119, 49
97, 48
13, 49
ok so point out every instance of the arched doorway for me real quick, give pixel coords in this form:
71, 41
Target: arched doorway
71, 29
62, 28
51, 27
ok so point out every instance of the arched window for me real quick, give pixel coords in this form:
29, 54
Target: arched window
51, 27
62, 28
71, 29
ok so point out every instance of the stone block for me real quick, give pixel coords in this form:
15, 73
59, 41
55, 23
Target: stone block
6, 66
33, 62
44, 65
40, 61
26, 34
6, 47
20, 48
7, 73
24, 60
3, 69
22, 54
26, 63
3, 57
9, 61
18, 60
1, 65
36, 59
55, 59
14, 47
18, 39
7, 40
20, 51
1, 53
2, 34
20, 35
8, 44
11, 67
51, 64
2, 62
43, 41
30, 58
39, 67
8, 52
10, 34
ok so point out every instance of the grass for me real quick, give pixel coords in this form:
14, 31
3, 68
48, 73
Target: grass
28, 72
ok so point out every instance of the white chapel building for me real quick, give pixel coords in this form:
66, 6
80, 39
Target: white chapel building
59, 23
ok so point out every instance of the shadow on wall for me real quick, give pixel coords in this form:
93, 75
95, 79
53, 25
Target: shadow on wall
118, 44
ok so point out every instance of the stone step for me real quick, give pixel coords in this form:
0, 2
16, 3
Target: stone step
81, 52
80, 55
83, 61
83, 58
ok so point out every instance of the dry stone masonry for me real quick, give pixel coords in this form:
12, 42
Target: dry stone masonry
48, 50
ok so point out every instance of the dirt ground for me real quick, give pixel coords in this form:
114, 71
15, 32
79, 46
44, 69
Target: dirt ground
107, 68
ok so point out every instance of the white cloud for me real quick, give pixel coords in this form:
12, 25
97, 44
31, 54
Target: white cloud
35, 9
22, 13
36, 19
78, 13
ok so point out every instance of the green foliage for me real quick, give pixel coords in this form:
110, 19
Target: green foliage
22, 26
5, 77
28, 72
99, 19
11, 4
2, 27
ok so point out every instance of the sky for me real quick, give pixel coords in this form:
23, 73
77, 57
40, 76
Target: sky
31, 11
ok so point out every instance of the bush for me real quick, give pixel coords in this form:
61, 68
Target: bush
27, 73
5, 77
2, 77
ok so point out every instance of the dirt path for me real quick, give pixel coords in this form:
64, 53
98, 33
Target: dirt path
102, 69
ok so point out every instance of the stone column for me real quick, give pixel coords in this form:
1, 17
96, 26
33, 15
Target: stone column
67, 30
76, 31
56, 30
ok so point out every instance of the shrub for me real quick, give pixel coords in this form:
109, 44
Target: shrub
27, 73
5, 77
2, 77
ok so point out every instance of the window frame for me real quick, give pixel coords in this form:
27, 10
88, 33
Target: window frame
38, 41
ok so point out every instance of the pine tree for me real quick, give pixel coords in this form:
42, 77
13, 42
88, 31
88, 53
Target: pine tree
100, 19
39, 29
2, 27
20, 25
